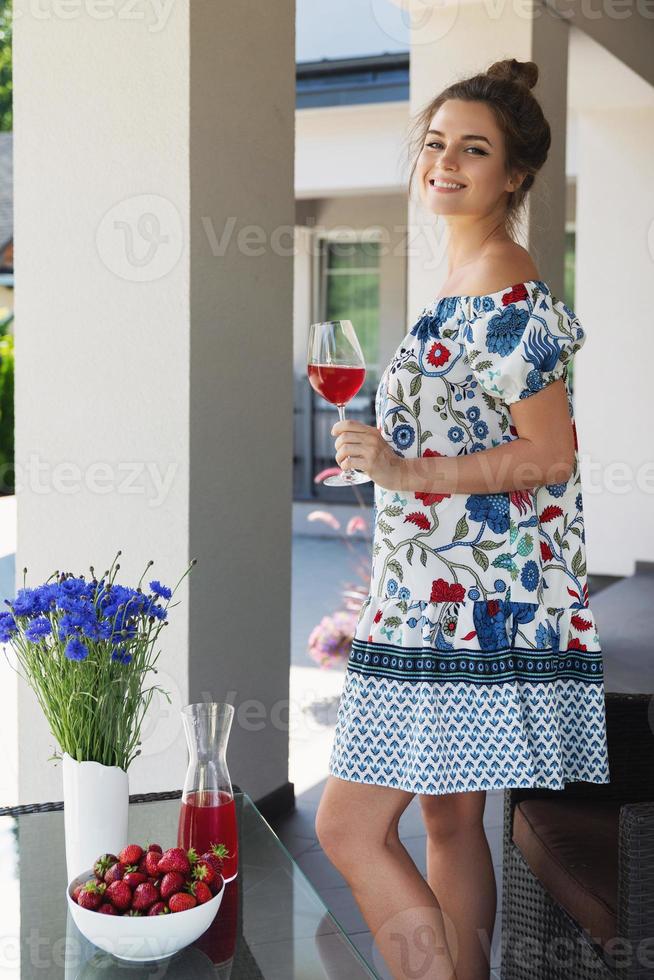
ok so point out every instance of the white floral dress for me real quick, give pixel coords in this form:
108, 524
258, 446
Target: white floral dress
476, 662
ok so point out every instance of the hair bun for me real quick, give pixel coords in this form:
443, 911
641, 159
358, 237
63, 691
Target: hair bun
511, 70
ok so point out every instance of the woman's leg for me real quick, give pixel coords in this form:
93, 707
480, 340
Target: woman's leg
356, 825
460, 873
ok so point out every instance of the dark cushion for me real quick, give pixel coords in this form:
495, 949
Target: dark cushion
572, 848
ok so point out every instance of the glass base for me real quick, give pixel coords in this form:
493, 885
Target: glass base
346, 481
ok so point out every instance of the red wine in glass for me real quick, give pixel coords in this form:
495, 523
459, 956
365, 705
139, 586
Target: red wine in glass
337, 370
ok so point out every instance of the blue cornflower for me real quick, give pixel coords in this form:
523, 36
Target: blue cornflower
473, 413
455, 433
404, 593
556, 489
38, 628
121, 656
391, 586
500, 585
75, 649
161, 590
7, 626
26, 603
480, 429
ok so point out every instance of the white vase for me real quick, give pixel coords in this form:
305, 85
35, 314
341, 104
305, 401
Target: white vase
96, 804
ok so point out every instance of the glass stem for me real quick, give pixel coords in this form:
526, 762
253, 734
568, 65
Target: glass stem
347, 471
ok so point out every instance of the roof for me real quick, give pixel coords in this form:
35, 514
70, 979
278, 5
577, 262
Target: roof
347, 81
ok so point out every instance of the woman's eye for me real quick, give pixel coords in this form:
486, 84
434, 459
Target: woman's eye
475, 148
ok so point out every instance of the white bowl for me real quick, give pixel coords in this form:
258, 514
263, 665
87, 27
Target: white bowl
142, 938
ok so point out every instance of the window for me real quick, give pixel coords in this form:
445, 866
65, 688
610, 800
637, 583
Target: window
350, 291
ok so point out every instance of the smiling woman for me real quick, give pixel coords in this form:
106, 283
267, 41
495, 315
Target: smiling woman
476, 663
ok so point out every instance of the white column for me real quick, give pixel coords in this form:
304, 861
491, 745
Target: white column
615, 270
154, 345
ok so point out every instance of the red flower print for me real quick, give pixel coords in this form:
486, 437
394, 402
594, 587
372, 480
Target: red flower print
469, 636
493, 606
442, 591
378, 616
545, 551
370, 638
419, 519
522, 499
438, 355
580, 624
514, 295
431, 498
576, 644
550, 513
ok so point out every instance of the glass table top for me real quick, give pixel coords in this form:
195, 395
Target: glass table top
271, 925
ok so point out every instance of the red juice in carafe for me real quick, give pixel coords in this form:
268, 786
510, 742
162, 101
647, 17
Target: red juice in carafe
208, 818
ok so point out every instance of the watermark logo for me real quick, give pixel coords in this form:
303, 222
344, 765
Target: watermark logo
141, 238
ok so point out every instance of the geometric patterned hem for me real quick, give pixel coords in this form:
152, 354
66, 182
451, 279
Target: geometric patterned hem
454, 736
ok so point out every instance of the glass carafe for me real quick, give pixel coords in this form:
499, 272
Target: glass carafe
207, 818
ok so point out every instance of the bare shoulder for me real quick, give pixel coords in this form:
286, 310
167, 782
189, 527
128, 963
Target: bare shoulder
505, 265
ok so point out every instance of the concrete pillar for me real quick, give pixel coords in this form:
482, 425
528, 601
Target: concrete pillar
615, 256
154, 215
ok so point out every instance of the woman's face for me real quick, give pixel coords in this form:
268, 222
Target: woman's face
465, 147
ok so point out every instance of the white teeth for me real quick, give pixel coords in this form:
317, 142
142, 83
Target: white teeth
443, 183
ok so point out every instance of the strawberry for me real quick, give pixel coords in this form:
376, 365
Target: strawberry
181, 902
119, 894
115, 872
144, 896
215, 856
76, 890
134, 878
91, 895
103, 863
155, 847
108, 909
159, 908
216, 884
170, 883
174, 859
203, 871
151, 861
141, 865
131, 854
200, 891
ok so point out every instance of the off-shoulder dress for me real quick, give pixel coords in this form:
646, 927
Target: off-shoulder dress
476, 662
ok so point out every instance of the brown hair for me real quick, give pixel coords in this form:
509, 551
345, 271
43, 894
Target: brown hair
505, 87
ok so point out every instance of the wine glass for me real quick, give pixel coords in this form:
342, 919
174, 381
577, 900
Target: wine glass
337, 370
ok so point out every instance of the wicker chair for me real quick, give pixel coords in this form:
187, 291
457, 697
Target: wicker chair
599, 838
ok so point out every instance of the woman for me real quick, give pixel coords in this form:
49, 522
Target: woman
476, 662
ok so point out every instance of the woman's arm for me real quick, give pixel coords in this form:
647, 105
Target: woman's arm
544, 452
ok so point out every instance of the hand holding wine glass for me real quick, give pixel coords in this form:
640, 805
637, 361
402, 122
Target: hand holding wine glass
336, 370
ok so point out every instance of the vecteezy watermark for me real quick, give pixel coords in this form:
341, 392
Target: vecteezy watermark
153, 13
141, 238
147, 478
412, 22
418, 22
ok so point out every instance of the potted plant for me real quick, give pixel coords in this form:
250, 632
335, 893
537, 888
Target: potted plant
88, 648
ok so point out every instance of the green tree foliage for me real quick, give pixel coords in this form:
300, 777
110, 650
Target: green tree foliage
6, 96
